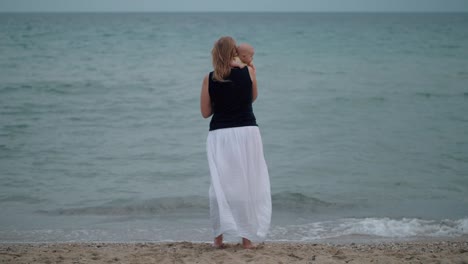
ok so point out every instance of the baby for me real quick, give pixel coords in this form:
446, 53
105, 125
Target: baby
245, 53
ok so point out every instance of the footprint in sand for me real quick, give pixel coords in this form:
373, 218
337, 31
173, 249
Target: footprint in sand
248, 257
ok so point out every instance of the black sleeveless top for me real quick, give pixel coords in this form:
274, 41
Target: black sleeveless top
231, 100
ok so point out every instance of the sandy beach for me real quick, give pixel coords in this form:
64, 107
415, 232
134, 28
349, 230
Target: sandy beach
187, 252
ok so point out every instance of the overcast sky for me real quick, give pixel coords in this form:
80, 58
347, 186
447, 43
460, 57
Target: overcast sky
237, 5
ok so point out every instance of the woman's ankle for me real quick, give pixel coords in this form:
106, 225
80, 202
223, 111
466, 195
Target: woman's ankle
247, 244
218, 241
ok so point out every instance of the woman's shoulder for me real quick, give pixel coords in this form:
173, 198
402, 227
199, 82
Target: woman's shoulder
240, 70
241, 74
209, 75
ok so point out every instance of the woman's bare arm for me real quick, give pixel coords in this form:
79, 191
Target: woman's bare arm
205, 100
253, 77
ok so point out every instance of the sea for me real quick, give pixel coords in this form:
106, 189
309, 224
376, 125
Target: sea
364, 120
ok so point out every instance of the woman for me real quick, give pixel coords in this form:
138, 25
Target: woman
240, 200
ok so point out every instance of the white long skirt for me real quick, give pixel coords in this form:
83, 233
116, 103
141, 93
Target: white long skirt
240, 199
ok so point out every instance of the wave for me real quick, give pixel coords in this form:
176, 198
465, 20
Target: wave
20, 199
298, 201
440, 95
288, 201
50, 87
405, 228
365, 100
150, 206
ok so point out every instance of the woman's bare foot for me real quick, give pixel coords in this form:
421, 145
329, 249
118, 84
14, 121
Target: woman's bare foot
218, 242
247, 244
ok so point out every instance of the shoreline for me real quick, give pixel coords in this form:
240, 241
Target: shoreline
336, 241
268, 252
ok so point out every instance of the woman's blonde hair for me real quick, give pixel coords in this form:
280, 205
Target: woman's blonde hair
223, 52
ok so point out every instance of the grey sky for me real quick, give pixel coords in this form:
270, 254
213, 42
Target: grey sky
237, 5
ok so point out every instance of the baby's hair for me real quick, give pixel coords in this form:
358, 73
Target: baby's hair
244, 46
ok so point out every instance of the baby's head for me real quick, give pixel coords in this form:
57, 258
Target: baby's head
246, 53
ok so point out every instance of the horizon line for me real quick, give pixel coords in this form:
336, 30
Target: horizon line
197, 11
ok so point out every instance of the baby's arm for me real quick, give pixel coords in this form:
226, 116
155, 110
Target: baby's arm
237, 63
252, 66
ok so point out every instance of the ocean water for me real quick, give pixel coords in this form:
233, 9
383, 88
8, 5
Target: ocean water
363, 117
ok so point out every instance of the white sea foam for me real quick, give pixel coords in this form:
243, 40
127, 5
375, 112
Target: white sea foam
377, 227
405, 227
